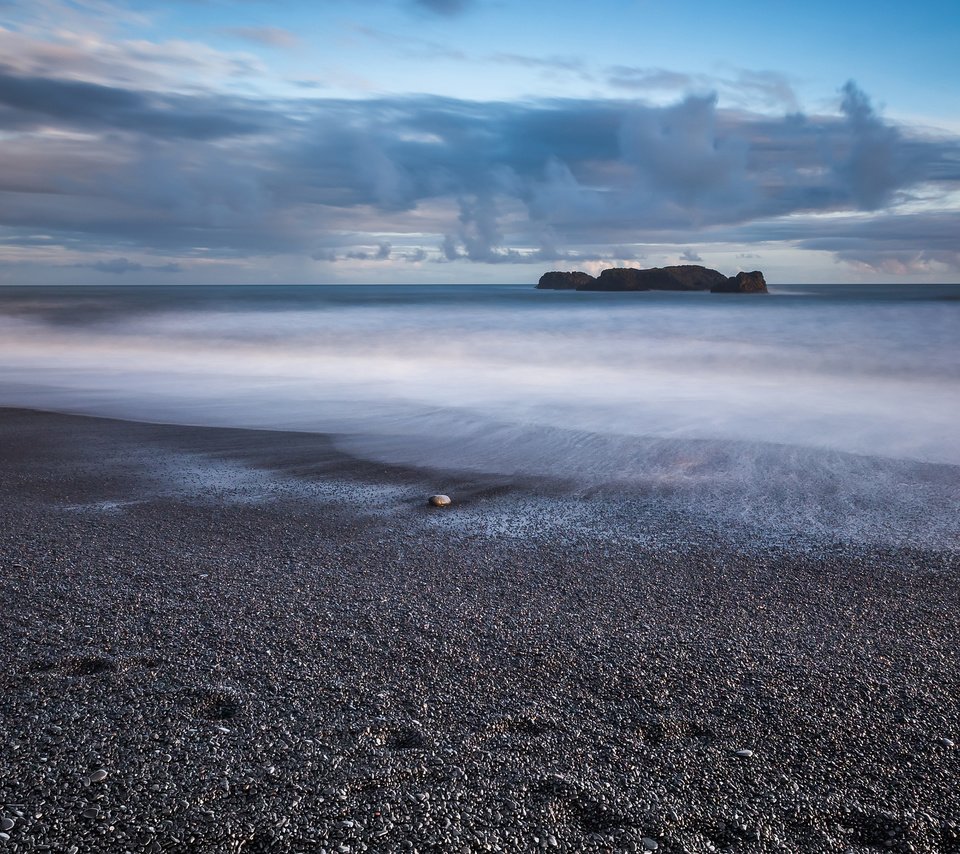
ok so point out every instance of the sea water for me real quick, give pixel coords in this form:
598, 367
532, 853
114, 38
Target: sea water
815, 391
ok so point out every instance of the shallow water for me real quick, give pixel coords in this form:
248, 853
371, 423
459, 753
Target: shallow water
592, 387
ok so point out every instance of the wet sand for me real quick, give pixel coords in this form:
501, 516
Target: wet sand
268, 645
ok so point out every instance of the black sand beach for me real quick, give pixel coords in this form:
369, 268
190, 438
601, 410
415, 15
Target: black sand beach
270, 646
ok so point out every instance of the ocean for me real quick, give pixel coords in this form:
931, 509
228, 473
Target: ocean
840, 403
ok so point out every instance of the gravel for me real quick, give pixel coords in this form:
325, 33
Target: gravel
269, 663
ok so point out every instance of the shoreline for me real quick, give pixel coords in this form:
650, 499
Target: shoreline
270, 645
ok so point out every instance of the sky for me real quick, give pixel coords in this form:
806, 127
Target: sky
204, 141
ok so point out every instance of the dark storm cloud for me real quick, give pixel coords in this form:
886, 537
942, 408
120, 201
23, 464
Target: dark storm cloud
27, 102
495, 182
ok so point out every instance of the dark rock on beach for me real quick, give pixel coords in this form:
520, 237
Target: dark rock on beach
742, 283
559, 281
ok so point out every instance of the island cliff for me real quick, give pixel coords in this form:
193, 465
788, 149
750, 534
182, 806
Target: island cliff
742, 283
565, 281
683, 277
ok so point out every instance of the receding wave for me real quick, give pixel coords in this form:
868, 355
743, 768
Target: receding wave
596, 388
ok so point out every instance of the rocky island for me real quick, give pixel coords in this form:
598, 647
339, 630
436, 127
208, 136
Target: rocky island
682, 277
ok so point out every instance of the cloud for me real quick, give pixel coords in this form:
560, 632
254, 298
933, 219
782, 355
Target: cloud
921, 241
645, 79
414, 47
691, 256
34, 102
770, 89
903, 263
119, 266
936, 230
277, 37
444, 7
382, 253
79, 54
740, 87
548, 63
897, 245
203, 175
876, 164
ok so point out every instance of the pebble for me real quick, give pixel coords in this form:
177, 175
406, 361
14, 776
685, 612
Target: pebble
97, 776
649, 844
440, 500
946, 742
7, 824
4, 837
745, 753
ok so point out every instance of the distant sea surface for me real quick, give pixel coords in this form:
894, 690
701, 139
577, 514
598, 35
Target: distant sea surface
508, 379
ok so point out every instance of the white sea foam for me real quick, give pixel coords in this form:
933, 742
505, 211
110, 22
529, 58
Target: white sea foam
589, 387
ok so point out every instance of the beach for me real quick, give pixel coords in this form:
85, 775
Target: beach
464, 426
268, 644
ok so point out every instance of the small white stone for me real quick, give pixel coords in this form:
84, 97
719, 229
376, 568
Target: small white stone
745, 754
946, 742
97, 776
440, 500
649, 844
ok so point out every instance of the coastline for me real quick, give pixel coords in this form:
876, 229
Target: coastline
271, 645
